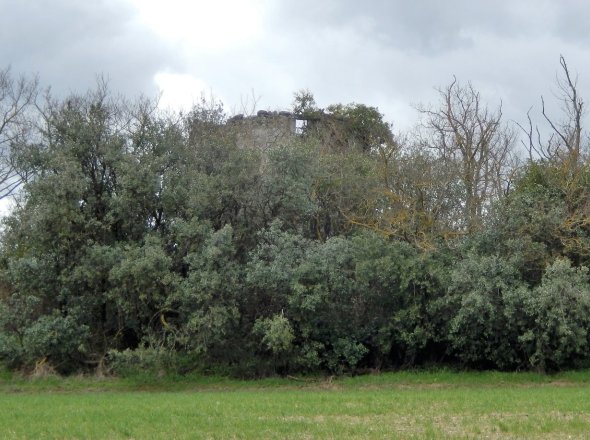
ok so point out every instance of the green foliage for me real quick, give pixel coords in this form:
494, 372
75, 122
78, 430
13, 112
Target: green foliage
503, 323
206, 303
481, 334
141, 283
155, 243
557, 312
144, 362
363, 125
54, 337
347, 300
57, 337
277, 333
304, 103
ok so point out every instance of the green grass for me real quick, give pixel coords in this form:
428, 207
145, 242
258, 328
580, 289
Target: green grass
394, 405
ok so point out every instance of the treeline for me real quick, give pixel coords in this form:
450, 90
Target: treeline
142, 240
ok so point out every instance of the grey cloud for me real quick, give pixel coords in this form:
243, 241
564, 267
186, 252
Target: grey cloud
69, 42
394, 52
389, 54
572, 21
432, 27
427, 26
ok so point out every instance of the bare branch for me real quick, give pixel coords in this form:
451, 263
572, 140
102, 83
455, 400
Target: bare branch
568, 133
470, 135
17, 97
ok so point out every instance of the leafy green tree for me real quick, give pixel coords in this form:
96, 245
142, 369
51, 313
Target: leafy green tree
538, 222
557, 324
481, 334
207, 302
360, 125
351, 302
141, 284
341, 187
304, 103
100, 186
159, 243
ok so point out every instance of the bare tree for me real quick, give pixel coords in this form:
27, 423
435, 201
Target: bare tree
17, 96
472, 139
565, 143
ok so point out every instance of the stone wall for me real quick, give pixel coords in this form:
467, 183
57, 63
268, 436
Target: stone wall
264, 130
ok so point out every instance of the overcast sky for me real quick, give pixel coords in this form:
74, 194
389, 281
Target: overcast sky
389, 54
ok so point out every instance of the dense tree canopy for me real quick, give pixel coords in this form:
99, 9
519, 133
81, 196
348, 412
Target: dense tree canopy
144, 240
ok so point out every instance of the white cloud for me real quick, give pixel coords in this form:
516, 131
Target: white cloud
203, 24
179, 91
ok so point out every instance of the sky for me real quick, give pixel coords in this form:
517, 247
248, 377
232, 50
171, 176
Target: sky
388, 54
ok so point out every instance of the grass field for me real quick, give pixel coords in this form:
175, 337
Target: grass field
393, 405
